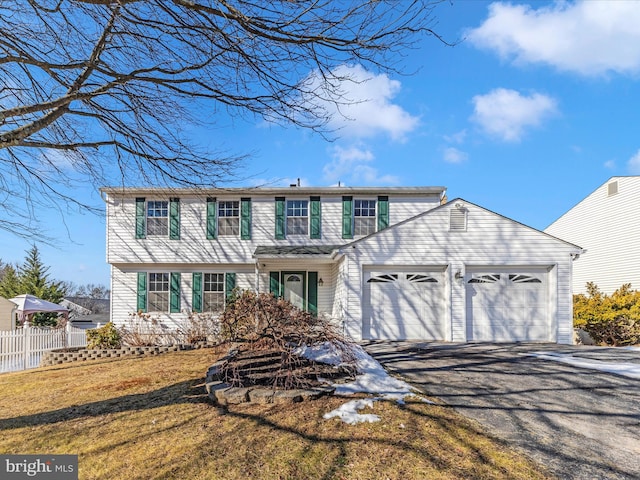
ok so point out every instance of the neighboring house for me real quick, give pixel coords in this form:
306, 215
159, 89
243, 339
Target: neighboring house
384, 263
87, 310
7, 314
606, 225
75, 310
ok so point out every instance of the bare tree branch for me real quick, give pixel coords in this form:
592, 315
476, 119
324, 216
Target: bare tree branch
102, 91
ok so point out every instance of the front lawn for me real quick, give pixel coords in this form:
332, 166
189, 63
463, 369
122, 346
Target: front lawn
148, 418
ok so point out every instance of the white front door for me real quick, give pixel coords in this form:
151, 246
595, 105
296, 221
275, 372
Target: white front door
294, 289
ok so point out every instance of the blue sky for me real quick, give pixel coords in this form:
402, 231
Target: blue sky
534, 108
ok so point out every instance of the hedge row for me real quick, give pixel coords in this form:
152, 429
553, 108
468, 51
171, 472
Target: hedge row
609, 319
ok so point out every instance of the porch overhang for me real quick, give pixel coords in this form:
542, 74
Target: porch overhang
306, 253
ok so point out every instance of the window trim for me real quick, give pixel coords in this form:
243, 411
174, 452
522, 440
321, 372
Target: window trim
304, 206
166, 281
219, 217
204, 291
164, 208
374, 217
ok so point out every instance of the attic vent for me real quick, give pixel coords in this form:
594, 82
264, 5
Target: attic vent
458, 220
612, 188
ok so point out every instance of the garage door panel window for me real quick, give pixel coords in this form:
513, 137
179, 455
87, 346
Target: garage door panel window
386, 278
491, 278
419, 278
519, 278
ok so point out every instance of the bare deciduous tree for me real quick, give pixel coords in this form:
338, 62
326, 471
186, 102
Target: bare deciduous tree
104, 91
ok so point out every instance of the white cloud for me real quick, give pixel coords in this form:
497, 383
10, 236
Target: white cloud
507, 113
352, 166
634, 164
610, 164
364, 103
585, 37
458, 137
453, 155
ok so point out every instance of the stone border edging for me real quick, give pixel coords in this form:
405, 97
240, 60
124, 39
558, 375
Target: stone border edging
57, 357
224, 394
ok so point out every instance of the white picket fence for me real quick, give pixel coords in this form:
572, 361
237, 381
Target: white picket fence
22, 348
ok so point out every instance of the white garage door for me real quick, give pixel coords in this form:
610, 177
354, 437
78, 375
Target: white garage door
402, 305
507, 306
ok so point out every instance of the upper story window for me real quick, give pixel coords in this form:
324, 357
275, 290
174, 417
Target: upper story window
297, 217
229, 218
364, 217
213, 297
158, 292
157, 217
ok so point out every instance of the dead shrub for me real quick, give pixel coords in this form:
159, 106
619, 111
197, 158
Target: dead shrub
201, 327
263, 323
145, 330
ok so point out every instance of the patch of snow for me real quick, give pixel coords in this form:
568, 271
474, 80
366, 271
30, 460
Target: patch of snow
325, 352
348, 412
631, 370
371, 378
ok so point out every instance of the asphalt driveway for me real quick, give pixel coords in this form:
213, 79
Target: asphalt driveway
579, 423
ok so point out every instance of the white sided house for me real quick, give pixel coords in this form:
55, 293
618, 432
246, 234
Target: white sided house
605, 224
384, 263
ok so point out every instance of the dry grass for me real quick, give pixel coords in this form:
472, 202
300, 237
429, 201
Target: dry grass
148, 418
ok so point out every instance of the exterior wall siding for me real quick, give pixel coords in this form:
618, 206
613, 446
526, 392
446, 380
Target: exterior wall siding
124, 288
490, 240
606, 227
194, 247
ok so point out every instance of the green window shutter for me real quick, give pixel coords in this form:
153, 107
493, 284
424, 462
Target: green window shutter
174, 218
196, 292
174, 293
212, 220
383, 213
245, 218
141, 218
280, 218
142, 291
347, 217
229, 284
312, 300
274, 283
316, 219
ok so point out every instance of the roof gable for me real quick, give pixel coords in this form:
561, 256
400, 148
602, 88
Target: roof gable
437, 221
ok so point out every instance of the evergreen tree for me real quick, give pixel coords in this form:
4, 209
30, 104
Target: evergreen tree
34, 278
10, 283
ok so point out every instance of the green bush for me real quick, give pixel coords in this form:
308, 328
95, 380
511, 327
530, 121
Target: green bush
104, 337
609, 319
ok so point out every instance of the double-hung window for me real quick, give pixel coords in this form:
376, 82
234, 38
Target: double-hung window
229, 218
364, 217
213, 292
297, 217
157, 217
158, 292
